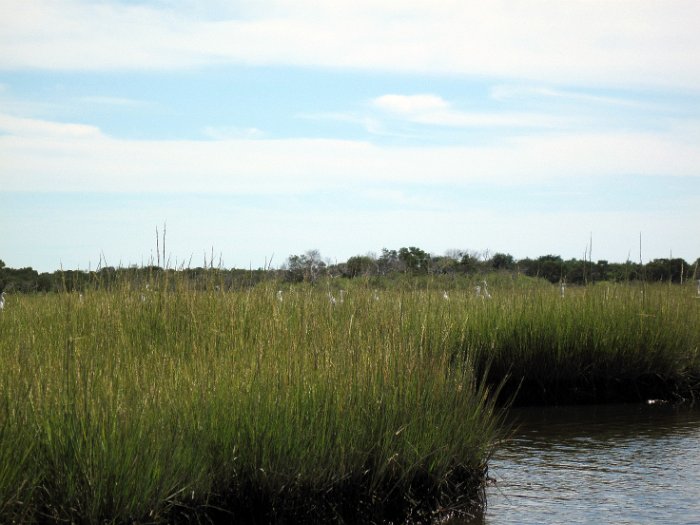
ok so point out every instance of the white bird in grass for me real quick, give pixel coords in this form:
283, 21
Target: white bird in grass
2, 301
486, 291
279, 295
445, 296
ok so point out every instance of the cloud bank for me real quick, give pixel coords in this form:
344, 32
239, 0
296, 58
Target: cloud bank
609, 42
40, 155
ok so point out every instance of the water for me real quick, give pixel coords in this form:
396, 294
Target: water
617, 464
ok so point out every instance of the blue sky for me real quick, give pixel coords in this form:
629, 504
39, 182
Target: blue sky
264, 129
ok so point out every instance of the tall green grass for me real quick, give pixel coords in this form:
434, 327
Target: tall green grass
163, 403
166, 404
598, 343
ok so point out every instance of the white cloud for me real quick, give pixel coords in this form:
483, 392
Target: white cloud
606, 42
410, 104
434, 110
371, 124
232, 132
29, 127
504, 92
38, 155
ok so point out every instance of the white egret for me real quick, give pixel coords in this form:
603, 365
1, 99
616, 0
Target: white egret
486, 291
2, 301
445, 296
279, 295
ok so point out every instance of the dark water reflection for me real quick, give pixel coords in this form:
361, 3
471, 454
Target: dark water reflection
604, 464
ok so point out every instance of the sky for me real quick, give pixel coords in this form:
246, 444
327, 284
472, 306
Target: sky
253, 130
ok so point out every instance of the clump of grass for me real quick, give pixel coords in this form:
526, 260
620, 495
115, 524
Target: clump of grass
166, 404
599, 343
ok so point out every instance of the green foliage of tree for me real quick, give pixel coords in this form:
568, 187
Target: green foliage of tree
24, 280
551, 267
410, 262
307, 267
469, 263
502, 261
415, 260
444, 265
360, 265
671, 270
389, 262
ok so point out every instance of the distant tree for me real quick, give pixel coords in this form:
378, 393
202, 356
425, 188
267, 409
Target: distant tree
294, 269
360, 265
525, 266
573, 270
389, 262
46, 283
414, 259
19, 280
306, 267
601, 271
551, 267
469, 263
617, 272
666, 270
502, 261
444, 265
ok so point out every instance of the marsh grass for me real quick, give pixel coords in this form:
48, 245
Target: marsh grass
163, 403
600, 343
169, 404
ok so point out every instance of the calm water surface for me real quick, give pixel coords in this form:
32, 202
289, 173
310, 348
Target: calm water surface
607, 464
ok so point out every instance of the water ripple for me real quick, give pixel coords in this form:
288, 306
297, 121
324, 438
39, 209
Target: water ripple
616, 464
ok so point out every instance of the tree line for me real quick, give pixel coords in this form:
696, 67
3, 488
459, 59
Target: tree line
409, 261
415, 261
